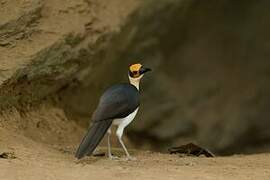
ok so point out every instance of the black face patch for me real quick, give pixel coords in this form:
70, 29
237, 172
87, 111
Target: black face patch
130, 74
134, 74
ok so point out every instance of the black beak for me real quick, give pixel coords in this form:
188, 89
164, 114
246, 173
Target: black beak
144, 70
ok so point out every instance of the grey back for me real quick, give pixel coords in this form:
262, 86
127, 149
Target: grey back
118, 101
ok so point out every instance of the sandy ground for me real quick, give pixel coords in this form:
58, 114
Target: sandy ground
44, 141
51, 157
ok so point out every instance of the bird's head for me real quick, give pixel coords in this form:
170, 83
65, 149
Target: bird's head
136, 72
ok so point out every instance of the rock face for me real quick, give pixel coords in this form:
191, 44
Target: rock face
48, 46
211, 72
210, 79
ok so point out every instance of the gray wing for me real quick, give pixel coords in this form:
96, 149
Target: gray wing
117, 102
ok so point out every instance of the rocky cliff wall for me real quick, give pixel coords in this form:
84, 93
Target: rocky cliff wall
210, 79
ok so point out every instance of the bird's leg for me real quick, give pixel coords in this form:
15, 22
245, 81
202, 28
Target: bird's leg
109, 132
119, 134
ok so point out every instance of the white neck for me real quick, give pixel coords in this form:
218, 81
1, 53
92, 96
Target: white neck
135, 81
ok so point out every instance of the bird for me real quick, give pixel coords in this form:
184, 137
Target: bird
117, 106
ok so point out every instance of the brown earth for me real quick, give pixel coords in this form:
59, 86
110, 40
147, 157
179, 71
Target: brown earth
52, 161
210, 68
53, 52
43, 143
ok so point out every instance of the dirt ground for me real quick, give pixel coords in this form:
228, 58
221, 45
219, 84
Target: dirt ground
40, 161
45, 149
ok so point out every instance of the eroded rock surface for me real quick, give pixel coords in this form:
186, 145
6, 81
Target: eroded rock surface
210, 60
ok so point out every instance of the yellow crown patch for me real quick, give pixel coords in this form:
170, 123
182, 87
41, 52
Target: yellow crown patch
135, 67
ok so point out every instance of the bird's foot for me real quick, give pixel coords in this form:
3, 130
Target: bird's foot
130, 158
111, 157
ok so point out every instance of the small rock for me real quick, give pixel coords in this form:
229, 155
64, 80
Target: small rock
3, 2
4, 43
191, 149
7, 155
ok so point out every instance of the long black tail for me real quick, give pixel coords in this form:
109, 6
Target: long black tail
92, 138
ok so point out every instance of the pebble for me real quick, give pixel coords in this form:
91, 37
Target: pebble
3, 2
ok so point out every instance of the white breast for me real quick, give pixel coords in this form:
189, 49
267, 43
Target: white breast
126, 120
